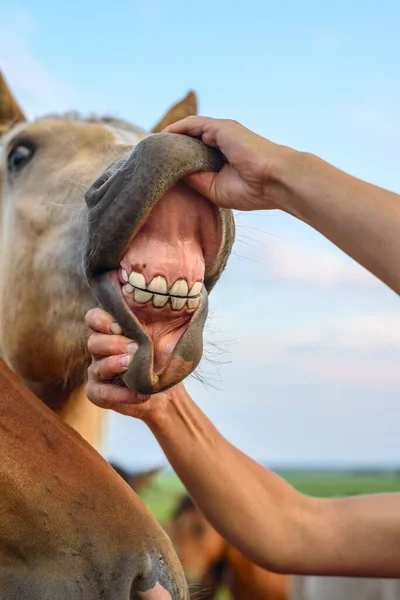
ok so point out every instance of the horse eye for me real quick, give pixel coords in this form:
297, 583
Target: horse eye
18, 157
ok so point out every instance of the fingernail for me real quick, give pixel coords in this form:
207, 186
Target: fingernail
115, 328
125, 360
132, 347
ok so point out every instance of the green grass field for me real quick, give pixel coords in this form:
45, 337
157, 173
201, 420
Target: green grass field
164, 493
162, 496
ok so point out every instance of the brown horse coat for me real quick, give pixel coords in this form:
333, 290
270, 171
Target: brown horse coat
69, 526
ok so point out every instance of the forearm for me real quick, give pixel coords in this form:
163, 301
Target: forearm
361, 219
362, 536
267, 519
251, 507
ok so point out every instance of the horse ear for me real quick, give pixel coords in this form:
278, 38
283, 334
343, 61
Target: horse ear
142, 480
185, 108
10, 112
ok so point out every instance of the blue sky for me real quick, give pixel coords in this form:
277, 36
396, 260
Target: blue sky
311, 340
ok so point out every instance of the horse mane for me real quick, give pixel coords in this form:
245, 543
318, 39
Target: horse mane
74, 115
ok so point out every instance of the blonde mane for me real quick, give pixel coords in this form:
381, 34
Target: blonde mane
74, 115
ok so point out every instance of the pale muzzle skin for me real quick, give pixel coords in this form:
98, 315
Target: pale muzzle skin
125, 197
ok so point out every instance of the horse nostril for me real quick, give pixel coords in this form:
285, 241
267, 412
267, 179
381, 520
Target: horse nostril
158, 582
155, 593
94, 193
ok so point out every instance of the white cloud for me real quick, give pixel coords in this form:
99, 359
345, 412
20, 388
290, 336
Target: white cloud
360, 350
302, 263
367, 333
370, 371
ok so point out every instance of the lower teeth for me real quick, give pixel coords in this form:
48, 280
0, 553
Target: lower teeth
142, 297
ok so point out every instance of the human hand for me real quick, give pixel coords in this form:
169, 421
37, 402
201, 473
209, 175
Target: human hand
112, 353
251, 179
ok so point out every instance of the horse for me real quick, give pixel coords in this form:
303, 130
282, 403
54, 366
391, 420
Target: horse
209, 561
139, 480
70, 527
94, 212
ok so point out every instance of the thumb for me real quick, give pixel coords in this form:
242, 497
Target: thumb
203, 183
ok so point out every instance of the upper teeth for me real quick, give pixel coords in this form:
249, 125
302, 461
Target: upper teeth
157, 290
180, 288
137, 280
159, 285
196, 289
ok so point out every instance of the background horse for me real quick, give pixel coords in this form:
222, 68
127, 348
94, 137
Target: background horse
209, 561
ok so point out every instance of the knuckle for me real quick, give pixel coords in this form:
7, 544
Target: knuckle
92, 343
106, 370
103, 392
93, 370
90, 391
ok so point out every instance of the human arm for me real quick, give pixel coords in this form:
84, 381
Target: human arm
361, 219
252, 507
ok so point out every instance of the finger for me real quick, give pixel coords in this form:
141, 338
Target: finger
100, 344
194, 126
99, 320
204, 183
105, 369
107, 395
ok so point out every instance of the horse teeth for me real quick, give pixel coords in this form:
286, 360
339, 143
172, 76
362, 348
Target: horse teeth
137, 280
193, 302
178, 303
142, 297
196, 289
180, 288
160, 301
158, 285
157, 290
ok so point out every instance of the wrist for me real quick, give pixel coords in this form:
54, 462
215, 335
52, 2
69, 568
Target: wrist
292, 174
179, 418
165, 409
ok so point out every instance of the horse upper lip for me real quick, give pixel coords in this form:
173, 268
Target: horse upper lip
126, 198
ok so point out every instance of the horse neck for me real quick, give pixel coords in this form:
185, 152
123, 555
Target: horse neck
246, 580
242, 578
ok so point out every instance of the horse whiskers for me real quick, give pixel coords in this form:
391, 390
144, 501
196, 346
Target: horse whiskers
199, 594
